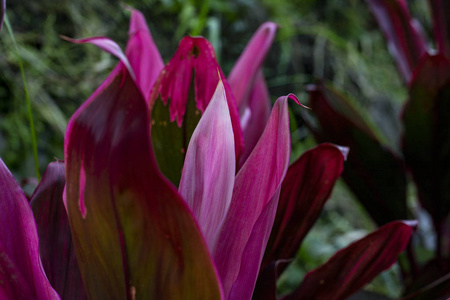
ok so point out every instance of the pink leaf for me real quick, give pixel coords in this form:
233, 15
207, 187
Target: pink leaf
21, 272
244, 73
209, 169
106, 45
142, 54
240, 244
195, 55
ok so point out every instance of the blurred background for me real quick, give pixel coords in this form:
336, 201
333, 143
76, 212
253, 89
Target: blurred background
333, 39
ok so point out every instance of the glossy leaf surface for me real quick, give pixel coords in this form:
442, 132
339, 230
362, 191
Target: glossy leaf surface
134, 236
55, 239
356, 265
239, 247
305, 189
209, 169
21, 272
372, 171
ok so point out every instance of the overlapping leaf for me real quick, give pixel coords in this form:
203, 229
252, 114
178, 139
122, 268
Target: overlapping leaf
372, 171
356, 265
405, 42
306, 188
239, 247
427, 135
21, 273
134, 236
440, 10
186, 86
55, 239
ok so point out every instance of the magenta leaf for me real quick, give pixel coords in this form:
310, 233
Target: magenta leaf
426, 140
405, 42
106, 45
135, 237
374, 173
240, 243
244, 73
209, 169
142, 54
440, 10
186, 85
255, 116
55, 240
21, 272
356, 265
305, 189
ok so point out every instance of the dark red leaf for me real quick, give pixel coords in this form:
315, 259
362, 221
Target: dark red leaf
440, 10
305, 189
426, 143
373, 172
55, 240
356, 265
404, 40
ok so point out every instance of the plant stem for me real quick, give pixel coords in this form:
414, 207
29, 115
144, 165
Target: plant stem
27, 99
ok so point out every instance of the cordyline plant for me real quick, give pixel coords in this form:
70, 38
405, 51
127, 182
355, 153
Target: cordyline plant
376, 170
112, 226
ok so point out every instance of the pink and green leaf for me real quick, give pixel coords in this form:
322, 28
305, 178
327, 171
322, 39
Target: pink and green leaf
134, 236
305, 189
373, 172
55, 239
239, 247
210, 166
180, 96
21, 272
356, 265
426, 142
405, 42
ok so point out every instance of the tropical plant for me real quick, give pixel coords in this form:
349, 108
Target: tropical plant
112, 226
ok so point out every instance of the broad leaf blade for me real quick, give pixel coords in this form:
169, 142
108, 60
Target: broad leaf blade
55, 239
134, 236
239, 246
209, 169
427, 135
21, 273
356, 265
372, 171
306, 187
404, 41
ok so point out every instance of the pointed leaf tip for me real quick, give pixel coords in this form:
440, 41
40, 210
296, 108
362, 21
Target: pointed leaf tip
356, 265
106, 45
